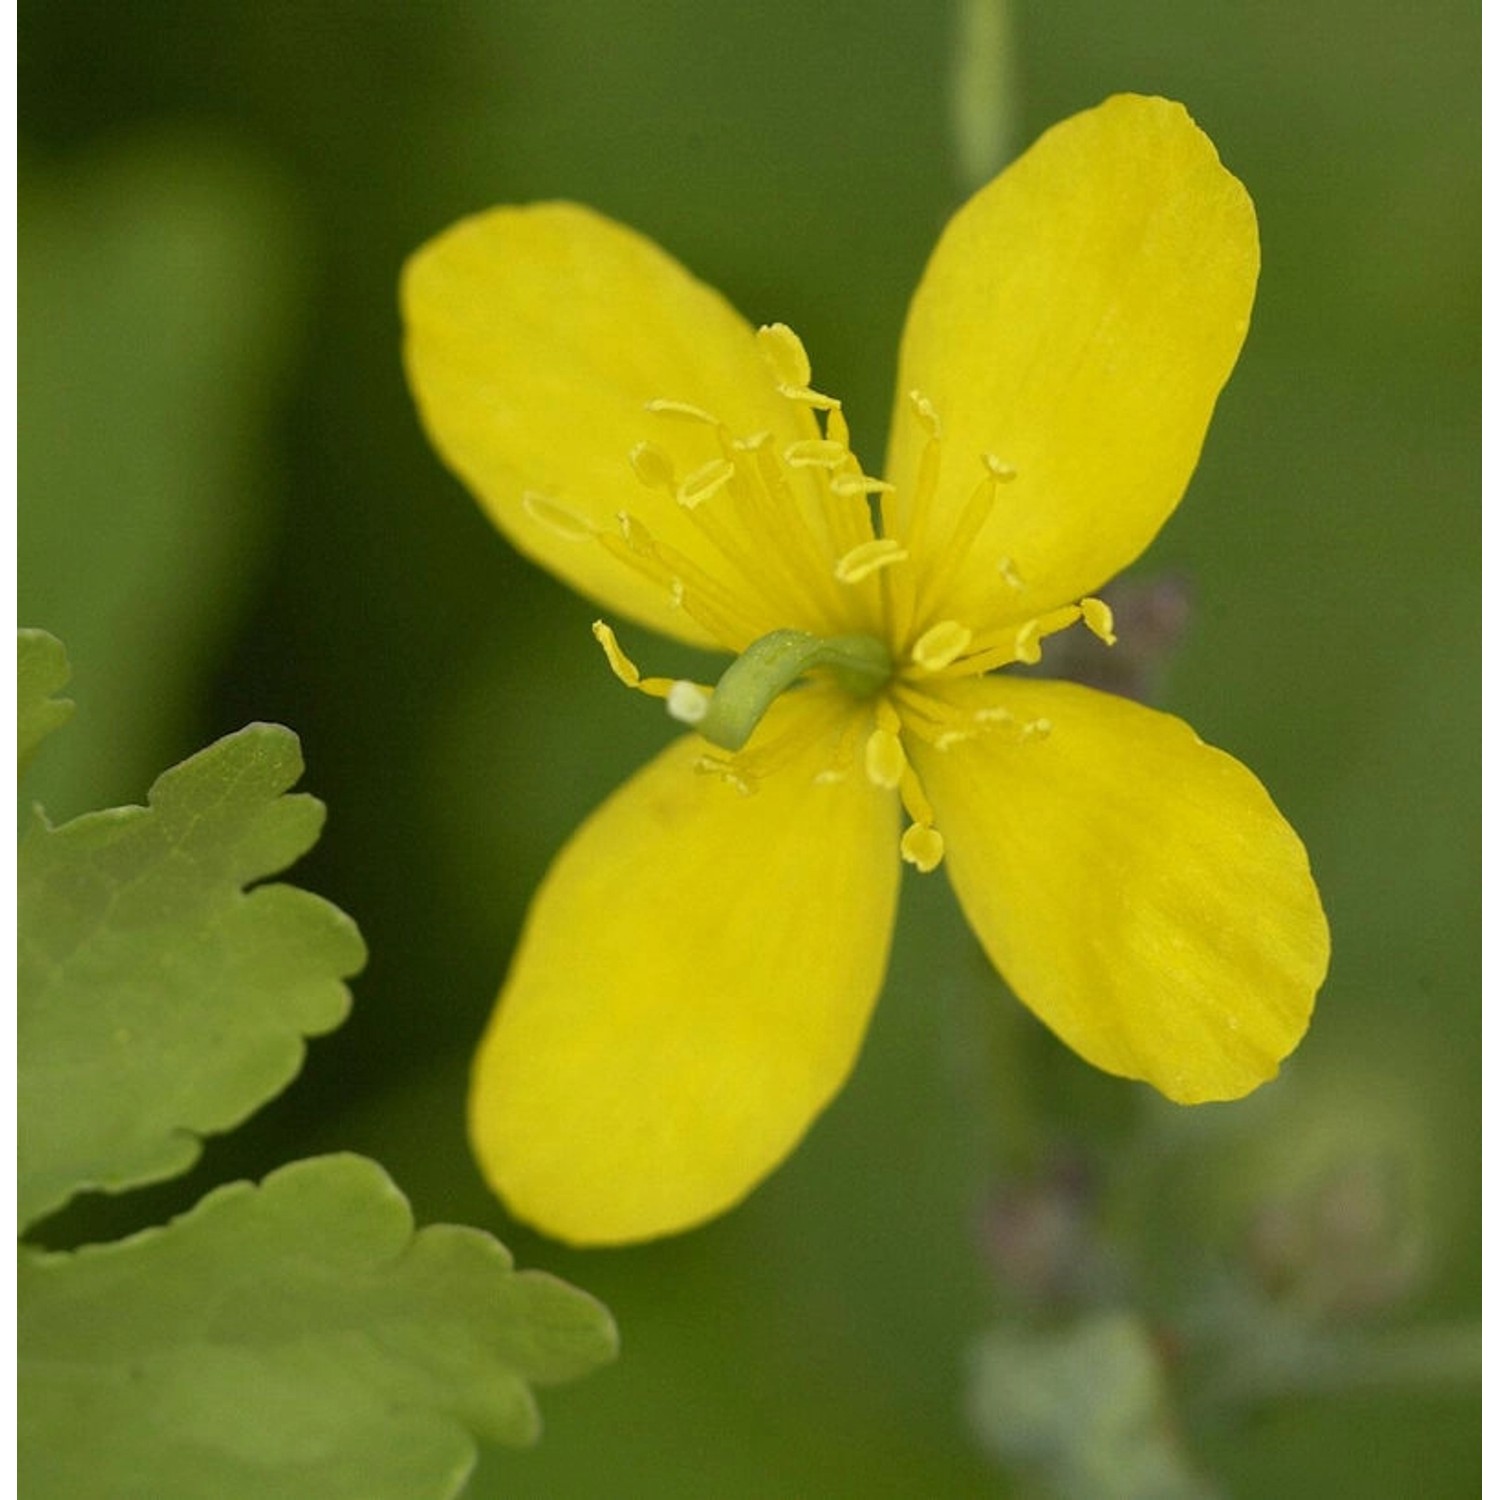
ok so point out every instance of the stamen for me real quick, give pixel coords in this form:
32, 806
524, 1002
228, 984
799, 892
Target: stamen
683, 409
1099, 618
942, 645
652, 467
784, 539
917, 513
790, 366
558, 519
816, 453
935, 720
926, 413
885, 756
1029, 638
1002, 471
704, 483
690, 589
885, 759
860, 484
869, 557
625, 669
970, 522
921, 844
1006, 567
785, 353
1028, 646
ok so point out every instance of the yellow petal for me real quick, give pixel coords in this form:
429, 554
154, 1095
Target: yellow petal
1136, 887
1077, 321
691, 989
535, 339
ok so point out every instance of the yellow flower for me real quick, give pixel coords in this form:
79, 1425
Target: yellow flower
699, 965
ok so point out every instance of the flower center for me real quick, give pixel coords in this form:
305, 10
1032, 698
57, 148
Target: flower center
800, 563
727, 717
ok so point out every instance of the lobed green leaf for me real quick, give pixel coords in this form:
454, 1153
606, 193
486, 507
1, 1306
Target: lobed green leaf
158, 998
42, 668
291, 1339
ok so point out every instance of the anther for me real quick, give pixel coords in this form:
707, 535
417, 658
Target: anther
815, 453
922, 846
790, 367
1006, 567
704, 483
683, 409
1028, 645
860, 484
785, 353
1099, 618
869, 557
652, 467
558, 519
942, 645
1000, 470
885, 759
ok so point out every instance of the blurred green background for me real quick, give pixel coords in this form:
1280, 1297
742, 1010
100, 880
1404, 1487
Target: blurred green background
228, 512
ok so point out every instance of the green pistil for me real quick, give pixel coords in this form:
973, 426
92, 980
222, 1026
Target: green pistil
860, 664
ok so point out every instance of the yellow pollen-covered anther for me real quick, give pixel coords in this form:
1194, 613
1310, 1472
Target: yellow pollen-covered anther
558, 519
942, 645
1028, 645
785, 353
999, 469
922, 846
1099, 618
704, 483
652, 467
869, 557
816, 453
860, 484
684, 410
790, 366
1006, 568
885, 759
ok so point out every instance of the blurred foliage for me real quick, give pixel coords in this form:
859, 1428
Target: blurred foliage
41, 669
1087, 1408
801, 159
155, 300
293, 1338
